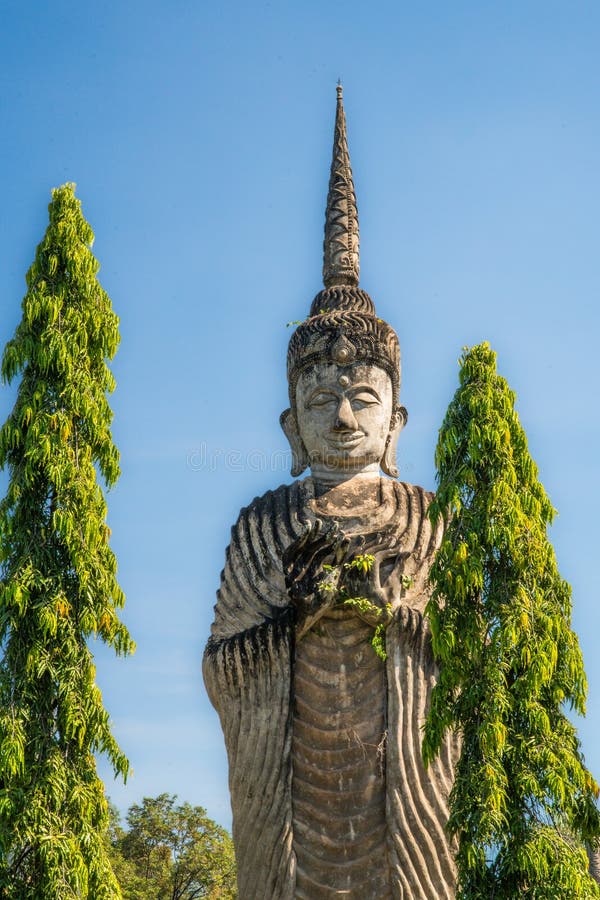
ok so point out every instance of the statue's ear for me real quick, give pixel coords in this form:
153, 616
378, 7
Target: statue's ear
398, 421
300, 458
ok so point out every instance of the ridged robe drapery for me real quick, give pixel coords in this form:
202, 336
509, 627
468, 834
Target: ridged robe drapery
248, 671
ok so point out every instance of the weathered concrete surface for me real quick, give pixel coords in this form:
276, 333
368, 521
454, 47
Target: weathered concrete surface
329, 793
306, 720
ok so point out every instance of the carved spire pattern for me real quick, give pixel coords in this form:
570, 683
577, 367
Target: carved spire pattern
340, 246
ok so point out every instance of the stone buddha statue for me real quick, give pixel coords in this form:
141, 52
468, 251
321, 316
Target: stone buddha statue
323, 724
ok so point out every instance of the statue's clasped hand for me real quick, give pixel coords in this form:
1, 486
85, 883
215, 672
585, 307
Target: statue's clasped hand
361, 590
313, 567
385, 581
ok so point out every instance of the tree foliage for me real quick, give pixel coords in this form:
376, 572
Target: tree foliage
172, 852
523, 803
58, 574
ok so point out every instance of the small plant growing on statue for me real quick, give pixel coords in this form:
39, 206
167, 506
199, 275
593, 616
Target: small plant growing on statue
364, 605
295, 322
378, 640
362, 563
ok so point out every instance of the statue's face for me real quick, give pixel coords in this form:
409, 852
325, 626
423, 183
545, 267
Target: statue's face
344, 415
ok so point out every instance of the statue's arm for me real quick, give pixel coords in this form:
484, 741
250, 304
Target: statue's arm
274, 587
594, 858
252, 630
260, 653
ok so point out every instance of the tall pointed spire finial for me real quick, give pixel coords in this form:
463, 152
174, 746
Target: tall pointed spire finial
340, 245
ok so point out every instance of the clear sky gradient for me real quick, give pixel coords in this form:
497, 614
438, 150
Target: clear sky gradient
199, 135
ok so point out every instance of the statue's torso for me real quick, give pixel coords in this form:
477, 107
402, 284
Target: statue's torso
323, 806
338, 762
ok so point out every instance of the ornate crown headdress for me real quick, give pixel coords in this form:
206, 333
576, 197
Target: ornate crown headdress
342, 325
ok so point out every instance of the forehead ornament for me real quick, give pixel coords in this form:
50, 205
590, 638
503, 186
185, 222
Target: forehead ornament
344, 380
343, 351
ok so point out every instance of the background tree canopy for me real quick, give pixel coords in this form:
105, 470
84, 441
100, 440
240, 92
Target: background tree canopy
171, 852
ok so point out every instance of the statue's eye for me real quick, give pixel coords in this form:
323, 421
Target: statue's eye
364, 399
323, 398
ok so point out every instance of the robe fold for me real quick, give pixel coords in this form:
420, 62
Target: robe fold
301, 746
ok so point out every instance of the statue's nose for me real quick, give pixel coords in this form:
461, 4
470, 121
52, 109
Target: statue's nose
345, 419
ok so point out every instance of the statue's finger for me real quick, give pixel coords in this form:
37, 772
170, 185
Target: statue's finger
315, 530
295, 550
320, 552
341, 549
327, 554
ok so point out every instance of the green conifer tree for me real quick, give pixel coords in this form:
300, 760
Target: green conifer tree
523, 804
58, 582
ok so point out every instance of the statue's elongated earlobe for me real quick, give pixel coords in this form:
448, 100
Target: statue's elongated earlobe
388, 463
300, 458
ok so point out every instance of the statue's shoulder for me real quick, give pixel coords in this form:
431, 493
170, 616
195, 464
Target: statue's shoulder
412, 505
413, 493
284, 495
282, 508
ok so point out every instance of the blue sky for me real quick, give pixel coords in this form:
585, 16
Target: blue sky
199, 136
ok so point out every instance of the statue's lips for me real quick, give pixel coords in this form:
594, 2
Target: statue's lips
345, 441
